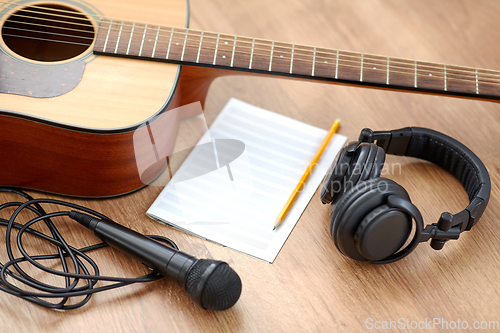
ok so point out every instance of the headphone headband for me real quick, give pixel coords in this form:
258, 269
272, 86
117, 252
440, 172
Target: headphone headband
445, 152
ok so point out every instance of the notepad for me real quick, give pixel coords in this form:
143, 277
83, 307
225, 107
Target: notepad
256, 157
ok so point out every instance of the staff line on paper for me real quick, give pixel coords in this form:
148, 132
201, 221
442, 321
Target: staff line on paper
246, 135
274, 120
263, 233
243, 121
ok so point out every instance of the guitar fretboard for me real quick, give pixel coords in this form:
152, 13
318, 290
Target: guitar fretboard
192, 47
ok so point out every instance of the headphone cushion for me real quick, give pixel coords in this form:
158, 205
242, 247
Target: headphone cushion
378, 163
357, 165
369, 163
335, 177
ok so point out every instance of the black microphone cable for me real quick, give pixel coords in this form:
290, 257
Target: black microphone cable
80, 280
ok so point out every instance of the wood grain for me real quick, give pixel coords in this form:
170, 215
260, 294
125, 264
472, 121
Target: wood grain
311, 286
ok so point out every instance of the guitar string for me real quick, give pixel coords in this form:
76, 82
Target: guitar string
188, 31
98, 18
47, 40
296, 64
380, 61
50, 26
57, 15
52, 33
411, 70
21, 7
51, 20
365, 55
299, 65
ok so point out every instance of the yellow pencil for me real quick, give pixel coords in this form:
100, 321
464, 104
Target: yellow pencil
309, 169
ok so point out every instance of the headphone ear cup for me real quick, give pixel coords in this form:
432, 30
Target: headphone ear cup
346, 200
354, 207
382, 232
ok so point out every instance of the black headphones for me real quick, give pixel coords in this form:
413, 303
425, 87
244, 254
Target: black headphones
372, 217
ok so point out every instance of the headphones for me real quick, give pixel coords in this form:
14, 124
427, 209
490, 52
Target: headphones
373, 217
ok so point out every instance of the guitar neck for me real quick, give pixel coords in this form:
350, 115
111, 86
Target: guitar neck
192, 47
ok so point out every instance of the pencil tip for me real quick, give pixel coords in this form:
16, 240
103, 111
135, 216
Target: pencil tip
277, 223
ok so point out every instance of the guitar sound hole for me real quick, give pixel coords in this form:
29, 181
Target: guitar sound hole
48, 33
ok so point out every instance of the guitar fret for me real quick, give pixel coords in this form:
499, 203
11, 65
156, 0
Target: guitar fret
241, 52
445, 83
184, 45
281, 58
261, 55
199, 48
130, 39
216, 48
337, 65
323, 66
361, 69
156, 42
415, 75
402, 72
349, 66
107, 36
119, 36
488, 81
374, 69
387, 80
463, 80
314, 62
170, 43
143, 38
251, 54
271, 58
477, 83
206, 48
432, 76
232, 55
300, 62
224, 51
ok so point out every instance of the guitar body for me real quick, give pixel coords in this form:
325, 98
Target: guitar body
84, 142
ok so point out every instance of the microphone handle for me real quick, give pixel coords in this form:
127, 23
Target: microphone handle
169, 262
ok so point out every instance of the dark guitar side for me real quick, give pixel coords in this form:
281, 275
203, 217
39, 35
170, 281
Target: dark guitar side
52, 158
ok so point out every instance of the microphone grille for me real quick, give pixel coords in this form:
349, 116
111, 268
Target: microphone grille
219, 291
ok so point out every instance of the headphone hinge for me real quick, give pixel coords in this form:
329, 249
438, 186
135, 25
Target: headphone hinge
399, 141
393, 142
475, 209
381, 138
448, 227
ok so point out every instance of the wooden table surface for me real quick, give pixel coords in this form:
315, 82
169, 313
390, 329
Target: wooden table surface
311, 286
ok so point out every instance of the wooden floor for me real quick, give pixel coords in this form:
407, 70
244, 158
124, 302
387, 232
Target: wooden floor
311, 286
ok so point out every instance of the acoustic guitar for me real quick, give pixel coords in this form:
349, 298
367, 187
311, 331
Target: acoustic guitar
84, 84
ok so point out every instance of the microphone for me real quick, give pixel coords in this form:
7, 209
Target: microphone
211, 284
